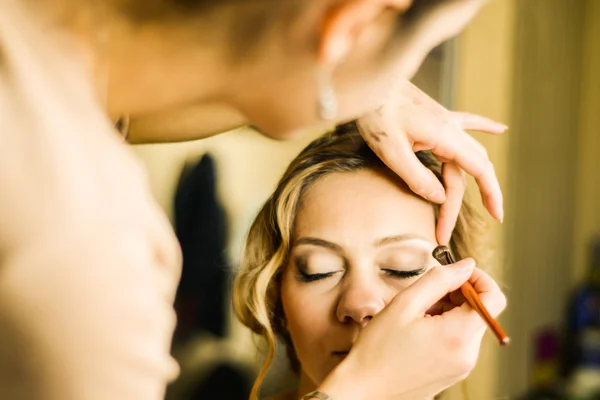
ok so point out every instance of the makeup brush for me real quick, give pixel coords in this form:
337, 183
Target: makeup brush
444, 257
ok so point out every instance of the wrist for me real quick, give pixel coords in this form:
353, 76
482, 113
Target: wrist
343, 383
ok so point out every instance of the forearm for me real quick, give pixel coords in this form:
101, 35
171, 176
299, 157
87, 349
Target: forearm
86, 316
88, 264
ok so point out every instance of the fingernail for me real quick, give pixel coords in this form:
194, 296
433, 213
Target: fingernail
504, 127
437, 196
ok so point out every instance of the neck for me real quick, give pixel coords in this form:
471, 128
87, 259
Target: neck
184, 60
140, 67
306, 385
155, 68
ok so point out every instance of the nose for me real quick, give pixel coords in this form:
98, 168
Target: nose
361, 300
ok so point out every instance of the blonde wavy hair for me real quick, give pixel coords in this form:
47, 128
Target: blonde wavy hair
256, 295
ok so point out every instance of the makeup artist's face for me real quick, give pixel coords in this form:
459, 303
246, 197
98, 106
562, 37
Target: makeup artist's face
359, 239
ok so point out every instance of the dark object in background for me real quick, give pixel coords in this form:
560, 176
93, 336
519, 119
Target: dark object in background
201, 227
227, 382
545, 382
583, 321
582, 337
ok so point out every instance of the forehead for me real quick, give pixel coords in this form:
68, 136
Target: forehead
362, 206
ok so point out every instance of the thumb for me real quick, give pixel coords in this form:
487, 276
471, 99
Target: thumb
431, 287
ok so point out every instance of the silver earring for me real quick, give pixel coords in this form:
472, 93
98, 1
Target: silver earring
327, 99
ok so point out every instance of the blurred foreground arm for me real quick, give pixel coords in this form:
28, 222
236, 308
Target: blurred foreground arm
88, 265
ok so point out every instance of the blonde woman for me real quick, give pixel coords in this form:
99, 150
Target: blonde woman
88, 262
339, 239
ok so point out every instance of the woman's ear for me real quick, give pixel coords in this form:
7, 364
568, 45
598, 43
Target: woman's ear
345, 21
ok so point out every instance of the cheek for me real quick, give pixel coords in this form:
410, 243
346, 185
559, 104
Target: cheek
297, 306
307, 316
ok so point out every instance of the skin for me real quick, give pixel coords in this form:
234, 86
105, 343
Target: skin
273, 87
69, 67
360, 227
369, 48
283, 64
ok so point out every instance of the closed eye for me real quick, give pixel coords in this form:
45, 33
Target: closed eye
304, 277
404, 274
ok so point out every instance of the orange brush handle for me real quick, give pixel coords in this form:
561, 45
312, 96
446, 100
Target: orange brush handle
443, 255
474, 301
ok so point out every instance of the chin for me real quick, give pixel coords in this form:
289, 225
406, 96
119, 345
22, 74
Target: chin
288, 126
288, 133
284, 135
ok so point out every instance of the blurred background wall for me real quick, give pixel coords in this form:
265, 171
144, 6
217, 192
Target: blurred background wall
534, 65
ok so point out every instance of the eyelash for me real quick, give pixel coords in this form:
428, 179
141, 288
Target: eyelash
304, 277
403, 274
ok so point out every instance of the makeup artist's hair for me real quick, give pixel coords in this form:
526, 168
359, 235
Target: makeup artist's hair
256, 296
248, 22
241, 25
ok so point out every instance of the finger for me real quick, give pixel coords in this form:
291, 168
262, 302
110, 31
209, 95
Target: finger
431, 287
399, 157
457, 298
476, 122
442, 306
489, 291
439, 306
466, 155
455, 184
491, 296
462, 320
484, 156
477, 145
464, 316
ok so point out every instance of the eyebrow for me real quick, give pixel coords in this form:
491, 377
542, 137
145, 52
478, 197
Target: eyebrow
318, 242
400, 238
338, 249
